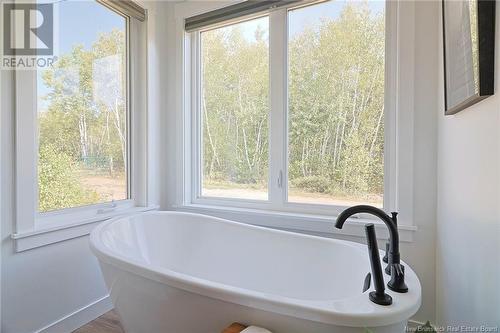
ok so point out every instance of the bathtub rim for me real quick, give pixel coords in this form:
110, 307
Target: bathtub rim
298, 308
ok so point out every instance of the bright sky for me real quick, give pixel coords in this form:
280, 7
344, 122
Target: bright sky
311, 15
73, 28
80, 22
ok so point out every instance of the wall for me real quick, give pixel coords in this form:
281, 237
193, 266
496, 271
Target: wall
468, 216
420, 253
60, 282
45, 284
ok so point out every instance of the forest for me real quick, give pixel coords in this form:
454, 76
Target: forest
335, 115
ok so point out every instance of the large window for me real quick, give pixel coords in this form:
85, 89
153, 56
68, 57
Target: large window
83, 111
336, 103
289, 108
235, 109
81, 141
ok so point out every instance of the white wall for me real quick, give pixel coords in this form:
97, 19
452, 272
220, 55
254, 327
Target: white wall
44, 285
468, 213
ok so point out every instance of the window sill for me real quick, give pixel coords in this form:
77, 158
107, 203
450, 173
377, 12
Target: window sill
54, 233
306, 223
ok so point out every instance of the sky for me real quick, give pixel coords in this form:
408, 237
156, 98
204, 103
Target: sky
72, 27
74, 18
74, 15
311, 15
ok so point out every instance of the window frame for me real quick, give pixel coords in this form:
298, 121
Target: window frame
399, 142
197, 136
33, 228
278, 181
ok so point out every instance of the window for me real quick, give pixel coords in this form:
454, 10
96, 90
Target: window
336, 103
235, 110
289, 109
83, 111
81, 138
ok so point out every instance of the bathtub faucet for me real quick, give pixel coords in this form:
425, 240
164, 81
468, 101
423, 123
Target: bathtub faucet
397, 282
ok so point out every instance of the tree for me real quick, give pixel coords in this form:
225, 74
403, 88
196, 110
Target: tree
58, 187
85, 117
336, 105
83, 124
235, 105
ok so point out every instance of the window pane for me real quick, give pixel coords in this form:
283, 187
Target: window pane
82, 111
235, 108
336, 103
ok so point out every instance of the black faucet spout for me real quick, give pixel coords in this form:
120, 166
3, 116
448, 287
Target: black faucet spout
393, 231
393, 255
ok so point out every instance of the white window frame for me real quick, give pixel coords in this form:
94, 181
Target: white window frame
313, 218
32, 228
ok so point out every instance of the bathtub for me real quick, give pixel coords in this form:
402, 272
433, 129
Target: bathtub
173, 272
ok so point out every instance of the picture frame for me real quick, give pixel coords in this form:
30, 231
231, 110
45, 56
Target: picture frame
468, 51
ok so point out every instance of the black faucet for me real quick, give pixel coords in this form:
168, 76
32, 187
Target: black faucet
396, 270
378, 296
388, 244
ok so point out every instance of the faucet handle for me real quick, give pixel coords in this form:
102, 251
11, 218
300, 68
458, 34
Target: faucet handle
397, 282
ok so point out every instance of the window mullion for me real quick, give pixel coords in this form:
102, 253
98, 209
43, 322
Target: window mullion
138, 115
390, 102
26, 150
278, 102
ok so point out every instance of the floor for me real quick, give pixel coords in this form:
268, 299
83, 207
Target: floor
107, 323
110, 323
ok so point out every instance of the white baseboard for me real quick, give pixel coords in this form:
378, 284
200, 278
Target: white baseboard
80, 317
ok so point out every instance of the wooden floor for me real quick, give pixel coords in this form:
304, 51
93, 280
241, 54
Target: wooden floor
107, 323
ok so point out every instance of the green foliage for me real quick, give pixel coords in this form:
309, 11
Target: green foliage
82, 121
235, 105
85, 116
336, 102
312, 184
58, 186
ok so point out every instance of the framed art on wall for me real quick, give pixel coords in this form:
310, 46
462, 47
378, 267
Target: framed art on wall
469, 51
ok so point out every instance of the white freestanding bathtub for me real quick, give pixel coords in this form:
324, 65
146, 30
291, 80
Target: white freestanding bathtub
171, 272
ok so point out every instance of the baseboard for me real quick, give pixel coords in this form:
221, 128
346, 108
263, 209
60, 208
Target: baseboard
80, 317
